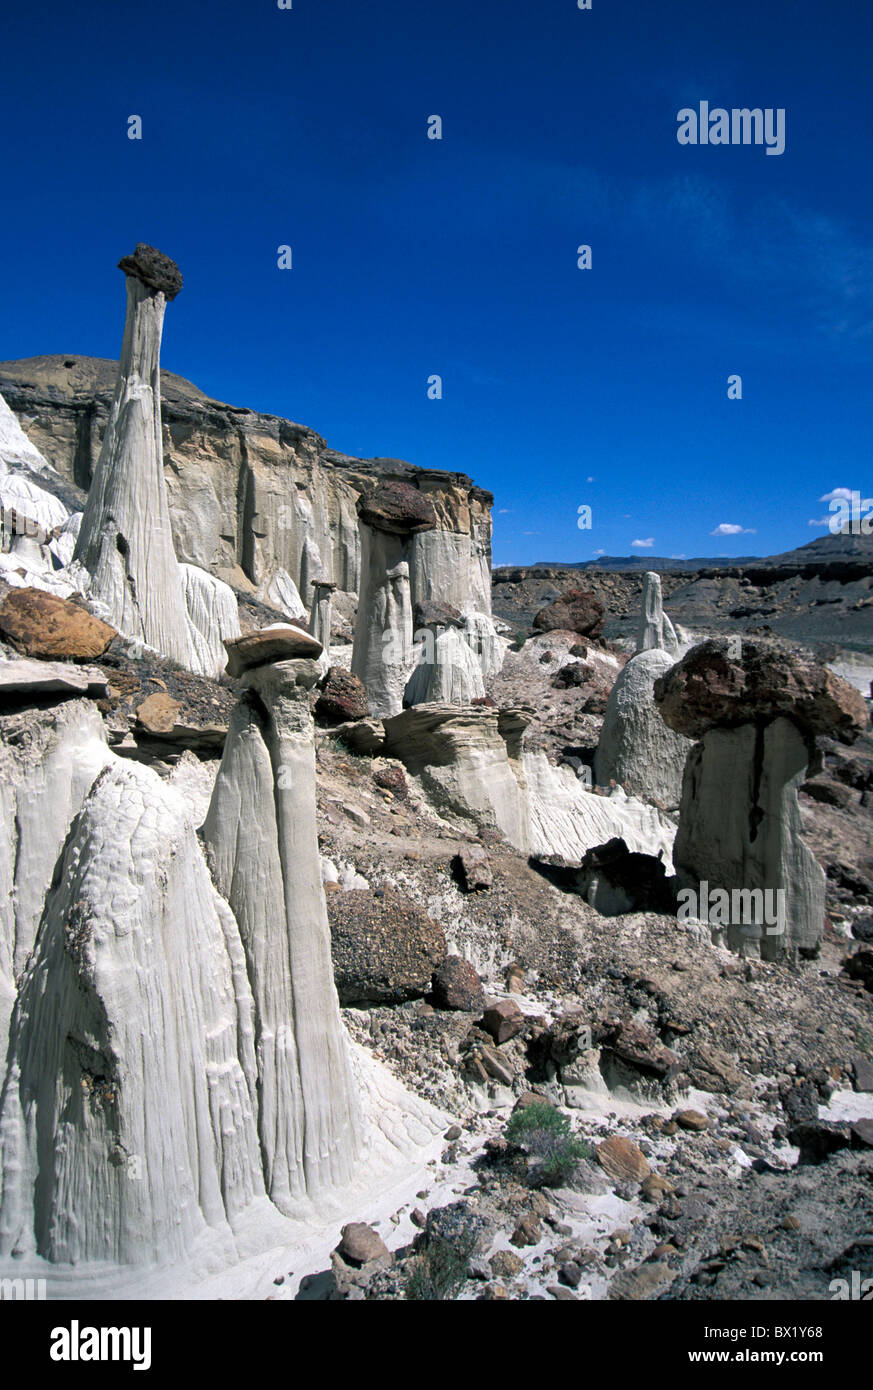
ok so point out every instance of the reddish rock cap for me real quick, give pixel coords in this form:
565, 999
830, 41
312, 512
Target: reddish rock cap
398, 508
711, 688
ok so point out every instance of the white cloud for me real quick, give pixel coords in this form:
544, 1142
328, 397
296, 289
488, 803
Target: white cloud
838, 494
644, 545
823, 521
730, 528
589, 480
504, 511
600, 552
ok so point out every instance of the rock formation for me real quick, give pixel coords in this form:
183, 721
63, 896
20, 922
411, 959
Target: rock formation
382, 657
125, 544
473, 767
251, 495
740, 831
33, 511
636, 749
320, 616
167, 1066
469, 763
448, 671
566, 820
261, 840
655, 631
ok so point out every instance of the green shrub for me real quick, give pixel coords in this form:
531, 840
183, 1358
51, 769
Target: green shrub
547, 1135
440, 1271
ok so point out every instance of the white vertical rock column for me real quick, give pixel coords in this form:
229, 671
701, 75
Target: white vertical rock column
448, 672
382, 655
125, 541
655, 629
320, 617
261, 840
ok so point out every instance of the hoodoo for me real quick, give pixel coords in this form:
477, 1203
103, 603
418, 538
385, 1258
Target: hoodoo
740, 828
656, 630
125, 542
320, 616
636, 748
382, 657
260, 834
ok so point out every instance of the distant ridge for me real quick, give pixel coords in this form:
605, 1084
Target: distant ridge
824, 549
642, 562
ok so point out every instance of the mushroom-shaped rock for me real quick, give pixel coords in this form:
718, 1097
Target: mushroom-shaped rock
578, 610
713, 688
741, 862
278, 642
320, 616
124, 551
398, 508
382, 657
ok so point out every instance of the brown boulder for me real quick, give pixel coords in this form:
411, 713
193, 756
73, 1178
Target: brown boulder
398, 508
503, 1021
693, 1120
473, 869
51, 628
640, 1048
343, 698
360, 1244
622, 1159
578, 610
158, 713
456, 985
385, 949
155, 270
711, 688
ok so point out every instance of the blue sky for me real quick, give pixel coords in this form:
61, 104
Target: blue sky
411, 257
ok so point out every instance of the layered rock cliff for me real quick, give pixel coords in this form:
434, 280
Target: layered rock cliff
250, 494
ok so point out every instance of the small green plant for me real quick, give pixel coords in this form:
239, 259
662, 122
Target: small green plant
441, 1270
547, 1135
